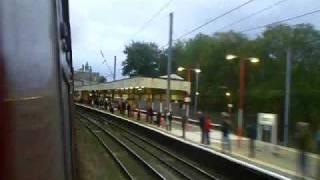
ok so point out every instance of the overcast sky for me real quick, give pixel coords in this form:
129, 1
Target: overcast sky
109, 25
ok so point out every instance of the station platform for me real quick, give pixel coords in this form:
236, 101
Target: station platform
277, 159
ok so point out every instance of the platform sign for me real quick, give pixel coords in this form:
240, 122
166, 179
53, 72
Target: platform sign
267, 122
267, 119
187, 99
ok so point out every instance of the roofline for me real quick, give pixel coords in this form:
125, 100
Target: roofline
134, 78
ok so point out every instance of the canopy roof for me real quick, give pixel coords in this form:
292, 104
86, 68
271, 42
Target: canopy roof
172, 76
139, 82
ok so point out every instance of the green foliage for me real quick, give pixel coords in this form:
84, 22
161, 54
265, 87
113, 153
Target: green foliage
265, 81
101, 79
142, 59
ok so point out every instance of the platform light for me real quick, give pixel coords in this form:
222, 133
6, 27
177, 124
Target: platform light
230, 105
131, 87
142, 87
90, 94
254, 60
197, 70
180, 68
137, 87
228, 94
122, 88
230, 57
197, 93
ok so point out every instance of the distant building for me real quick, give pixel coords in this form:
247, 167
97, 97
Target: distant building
85, 76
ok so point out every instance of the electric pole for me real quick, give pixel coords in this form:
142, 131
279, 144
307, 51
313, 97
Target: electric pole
287, 97
114, 68
196, 94
169, 62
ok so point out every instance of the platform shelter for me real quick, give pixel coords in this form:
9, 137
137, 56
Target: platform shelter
140, 92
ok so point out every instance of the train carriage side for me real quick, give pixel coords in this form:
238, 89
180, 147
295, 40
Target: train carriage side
36, 90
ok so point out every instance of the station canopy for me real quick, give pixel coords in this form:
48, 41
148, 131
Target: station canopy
172, 76
176, 84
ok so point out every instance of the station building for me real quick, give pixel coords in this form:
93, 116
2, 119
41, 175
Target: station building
140, 92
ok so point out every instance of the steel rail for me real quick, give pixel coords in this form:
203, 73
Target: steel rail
201, 171
155, 172
122, 167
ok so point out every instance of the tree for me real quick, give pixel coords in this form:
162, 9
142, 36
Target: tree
101, 79
265, 81
142, 59
303, 40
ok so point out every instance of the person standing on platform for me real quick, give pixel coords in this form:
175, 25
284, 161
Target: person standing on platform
96, 102
119, 106
138, 115
147, 114
207, 127
106, 105
317, 138
158, 118
303, 140
128, 109
201, 125
318, 149
170, 120
163, 121
183, 124
226, 144
123, 107
252, 133
150, 114
167, 120
111, 107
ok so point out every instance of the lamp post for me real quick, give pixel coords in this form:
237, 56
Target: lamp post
197, 71
241, 88
229, 102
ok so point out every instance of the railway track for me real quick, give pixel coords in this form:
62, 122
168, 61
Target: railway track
130, 163
161, 160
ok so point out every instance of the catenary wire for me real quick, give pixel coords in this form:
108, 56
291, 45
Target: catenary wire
210, 21
145, 25
281, 21
214, 19
253, 14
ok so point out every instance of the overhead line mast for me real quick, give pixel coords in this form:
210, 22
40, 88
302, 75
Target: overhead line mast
211, 21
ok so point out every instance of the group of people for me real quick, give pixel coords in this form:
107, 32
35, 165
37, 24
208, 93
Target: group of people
205, 123
124, 107
164, 120
205, 126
